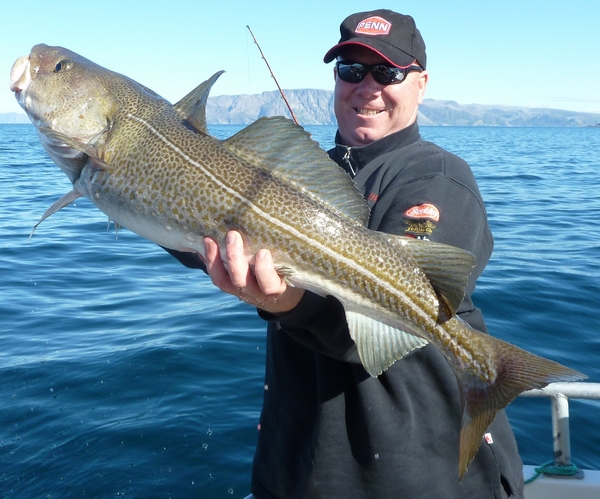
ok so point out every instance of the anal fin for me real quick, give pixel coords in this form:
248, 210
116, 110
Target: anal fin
378, 344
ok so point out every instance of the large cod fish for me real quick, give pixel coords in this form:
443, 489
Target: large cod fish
153, 168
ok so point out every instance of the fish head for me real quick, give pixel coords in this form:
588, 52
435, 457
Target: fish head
60, 91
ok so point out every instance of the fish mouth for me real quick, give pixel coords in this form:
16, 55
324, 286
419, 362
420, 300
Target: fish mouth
69, 159
20, 77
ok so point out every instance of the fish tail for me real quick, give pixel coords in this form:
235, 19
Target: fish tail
517, 371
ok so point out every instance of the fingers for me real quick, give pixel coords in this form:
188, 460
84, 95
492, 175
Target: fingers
269, 281
233, 275
263, 288
237, 263
280, 297
215, 268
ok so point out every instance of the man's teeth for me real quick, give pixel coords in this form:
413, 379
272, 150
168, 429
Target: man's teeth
367, 112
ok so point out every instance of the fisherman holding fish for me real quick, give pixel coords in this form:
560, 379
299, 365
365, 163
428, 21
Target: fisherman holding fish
381, 381
327, 428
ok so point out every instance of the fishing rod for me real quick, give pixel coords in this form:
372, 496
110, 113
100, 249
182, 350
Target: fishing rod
276, 82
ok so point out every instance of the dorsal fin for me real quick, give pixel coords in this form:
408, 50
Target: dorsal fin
192, 108
448, 268
277, 145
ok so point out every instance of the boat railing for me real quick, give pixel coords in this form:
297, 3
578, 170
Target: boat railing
559, 395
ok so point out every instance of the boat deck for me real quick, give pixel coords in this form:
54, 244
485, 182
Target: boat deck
562, 488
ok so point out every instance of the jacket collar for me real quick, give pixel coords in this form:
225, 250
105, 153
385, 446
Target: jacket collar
353, 158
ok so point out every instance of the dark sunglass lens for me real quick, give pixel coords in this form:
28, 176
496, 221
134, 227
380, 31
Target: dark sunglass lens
351, 73
386, 75
355, 72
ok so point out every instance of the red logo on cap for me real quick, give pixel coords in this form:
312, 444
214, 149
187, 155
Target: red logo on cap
374, 26
423, 211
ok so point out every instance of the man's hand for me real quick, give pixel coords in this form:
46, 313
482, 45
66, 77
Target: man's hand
264, 287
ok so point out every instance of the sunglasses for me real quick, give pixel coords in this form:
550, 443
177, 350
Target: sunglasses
355, 72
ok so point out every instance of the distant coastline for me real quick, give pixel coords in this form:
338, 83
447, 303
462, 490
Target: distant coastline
13, 118
315, 107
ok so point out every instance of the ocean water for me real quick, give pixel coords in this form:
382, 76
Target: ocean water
124, 374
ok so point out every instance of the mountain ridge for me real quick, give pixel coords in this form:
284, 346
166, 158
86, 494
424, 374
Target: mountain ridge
315, 107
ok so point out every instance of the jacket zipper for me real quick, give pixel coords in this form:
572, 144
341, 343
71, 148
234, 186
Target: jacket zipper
346, 160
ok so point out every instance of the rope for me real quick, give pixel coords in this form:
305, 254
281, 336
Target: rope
550, 468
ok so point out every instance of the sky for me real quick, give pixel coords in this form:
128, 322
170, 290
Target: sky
532, 53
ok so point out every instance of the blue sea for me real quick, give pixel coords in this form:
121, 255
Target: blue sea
124, 374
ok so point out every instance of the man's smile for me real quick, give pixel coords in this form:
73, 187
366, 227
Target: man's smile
367, 112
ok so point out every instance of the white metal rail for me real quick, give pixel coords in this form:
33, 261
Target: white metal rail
559, 395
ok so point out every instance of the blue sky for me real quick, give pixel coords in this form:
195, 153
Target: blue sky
531, 53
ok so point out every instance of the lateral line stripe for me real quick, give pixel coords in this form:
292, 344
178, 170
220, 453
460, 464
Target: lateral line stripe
275, 221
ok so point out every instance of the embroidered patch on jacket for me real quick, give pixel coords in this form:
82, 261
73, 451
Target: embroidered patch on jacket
374, 25
488, 438
425, 210
420, 220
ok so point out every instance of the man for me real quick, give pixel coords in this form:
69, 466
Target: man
328, 430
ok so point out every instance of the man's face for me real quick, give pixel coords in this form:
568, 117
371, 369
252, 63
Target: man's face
368, 111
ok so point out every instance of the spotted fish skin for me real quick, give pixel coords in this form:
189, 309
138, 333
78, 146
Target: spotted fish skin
153, 168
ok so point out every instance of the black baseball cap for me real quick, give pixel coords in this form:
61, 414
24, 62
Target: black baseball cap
393, 36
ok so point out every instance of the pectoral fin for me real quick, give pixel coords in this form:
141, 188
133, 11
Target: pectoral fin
66, 200
93, 151
379, 345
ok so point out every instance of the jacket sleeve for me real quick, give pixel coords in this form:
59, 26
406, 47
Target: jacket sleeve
190, 260
318, 323
462, 220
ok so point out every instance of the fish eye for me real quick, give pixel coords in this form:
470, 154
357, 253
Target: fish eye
62, 65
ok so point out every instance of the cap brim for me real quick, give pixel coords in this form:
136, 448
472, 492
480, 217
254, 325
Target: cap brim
335, 51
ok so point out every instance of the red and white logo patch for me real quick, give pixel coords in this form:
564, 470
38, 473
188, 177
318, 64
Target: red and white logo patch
374, 25
423, 211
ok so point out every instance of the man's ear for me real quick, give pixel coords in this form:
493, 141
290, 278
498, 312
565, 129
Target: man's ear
423, 80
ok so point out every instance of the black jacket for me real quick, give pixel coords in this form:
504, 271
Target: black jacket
329, 430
